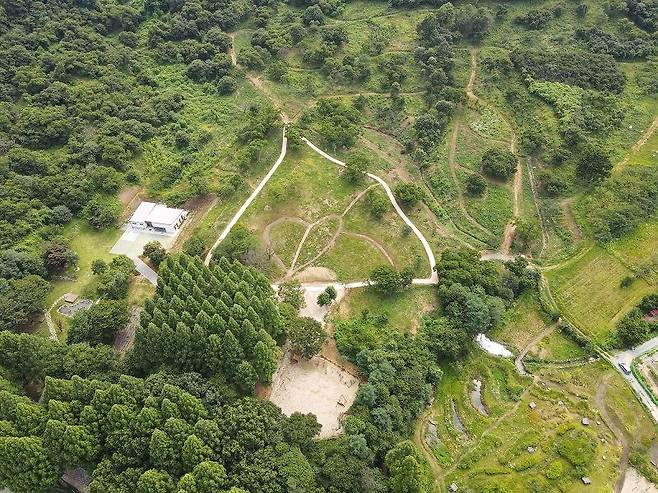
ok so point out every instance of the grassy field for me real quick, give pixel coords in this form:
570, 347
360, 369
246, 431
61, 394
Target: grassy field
352, 258
588, 288
403, 310
90, 245
523, 323
285, 237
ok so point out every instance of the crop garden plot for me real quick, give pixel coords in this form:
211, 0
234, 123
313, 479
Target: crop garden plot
315, 386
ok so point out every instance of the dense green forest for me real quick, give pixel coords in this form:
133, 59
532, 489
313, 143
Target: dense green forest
519, 130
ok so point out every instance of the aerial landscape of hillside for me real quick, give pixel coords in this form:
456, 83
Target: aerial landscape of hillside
328, 246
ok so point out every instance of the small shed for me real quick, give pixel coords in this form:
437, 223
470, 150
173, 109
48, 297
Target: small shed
532, 405
454, 487
70, 297
585, 421
586, 480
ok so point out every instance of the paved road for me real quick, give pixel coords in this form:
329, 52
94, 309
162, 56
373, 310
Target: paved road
433, 279
627, 358
252, 197
150, 275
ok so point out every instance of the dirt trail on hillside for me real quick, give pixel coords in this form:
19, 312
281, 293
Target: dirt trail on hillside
231, 50
517, 184
405, 176
570, 219
535, 195
257, 82
453, 172
371, 93
518, 362
332, 241
641, 141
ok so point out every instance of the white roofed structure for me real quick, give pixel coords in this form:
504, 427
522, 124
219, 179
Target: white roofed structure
157, 217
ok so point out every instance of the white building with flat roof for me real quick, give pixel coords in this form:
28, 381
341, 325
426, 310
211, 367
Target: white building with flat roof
157, 217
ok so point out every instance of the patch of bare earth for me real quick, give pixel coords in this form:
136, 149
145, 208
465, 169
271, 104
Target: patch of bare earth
634, 482
316, 386
316, 274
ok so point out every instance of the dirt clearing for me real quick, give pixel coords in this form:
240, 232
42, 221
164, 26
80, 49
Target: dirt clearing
315, 386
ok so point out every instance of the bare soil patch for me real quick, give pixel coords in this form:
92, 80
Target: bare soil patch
634, 482
315, 386
316, 274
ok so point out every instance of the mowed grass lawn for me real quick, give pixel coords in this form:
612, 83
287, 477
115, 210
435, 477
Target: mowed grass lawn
90, 245
588, 289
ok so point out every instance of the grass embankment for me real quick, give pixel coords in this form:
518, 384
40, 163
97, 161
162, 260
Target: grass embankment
403, 310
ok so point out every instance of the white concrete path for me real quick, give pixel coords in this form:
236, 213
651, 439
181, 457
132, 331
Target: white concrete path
433, 279
252, 197
141, 267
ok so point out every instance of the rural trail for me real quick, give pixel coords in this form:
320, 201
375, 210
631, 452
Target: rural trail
452, 151
530, 163
49, 319
252, 197
332, 241
257, 82
641, 141
403, 174
517, 184
518, 362
419, 439
616, 427
433, 279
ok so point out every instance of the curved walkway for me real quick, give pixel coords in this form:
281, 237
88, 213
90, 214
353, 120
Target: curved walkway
433, 279
252, 197
49, 319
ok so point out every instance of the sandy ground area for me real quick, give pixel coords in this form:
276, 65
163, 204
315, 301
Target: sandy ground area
315, 386
325, 385
634, 482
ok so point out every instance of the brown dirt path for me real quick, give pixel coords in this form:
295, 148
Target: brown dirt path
545, 238
126, 336
517, 184
518, 362
257, 82
566, 205
613, 422
453, 172
641, 141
